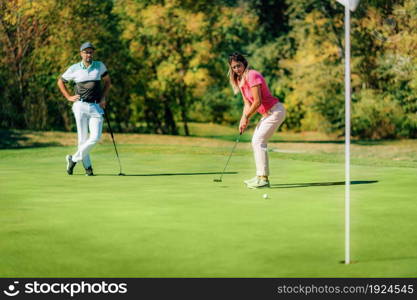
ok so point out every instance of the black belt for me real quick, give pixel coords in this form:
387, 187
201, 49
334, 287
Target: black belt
88, 101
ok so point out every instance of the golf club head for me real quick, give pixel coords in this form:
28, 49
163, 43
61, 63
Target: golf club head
217, 180
122, 174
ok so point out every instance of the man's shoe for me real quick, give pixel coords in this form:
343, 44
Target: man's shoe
89, 171
259, 183
70, 164
249, 181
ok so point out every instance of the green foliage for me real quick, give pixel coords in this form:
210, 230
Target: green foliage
178, 50
376, 116
168, 61
40, 40
383, 61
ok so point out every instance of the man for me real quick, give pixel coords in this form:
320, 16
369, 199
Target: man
89, 101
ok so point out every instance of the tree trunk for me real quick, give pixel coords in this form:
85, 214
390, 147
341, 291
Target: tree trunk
169, 120
184, 118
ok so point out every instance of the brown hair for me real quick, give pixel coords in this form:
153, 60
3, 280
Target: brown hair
234, 79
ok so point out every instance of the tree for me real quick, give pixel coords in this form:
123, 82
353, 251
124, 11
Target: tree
177, 50
23, 28
39, 40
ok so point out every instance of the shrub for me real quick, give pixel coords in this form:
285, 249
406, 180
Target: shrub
376, 116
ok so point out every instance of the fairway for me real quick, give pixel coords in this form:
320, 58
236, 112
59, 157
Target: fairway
167, 218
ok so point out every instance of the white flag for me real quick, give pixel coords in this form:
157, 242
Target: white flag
352, 3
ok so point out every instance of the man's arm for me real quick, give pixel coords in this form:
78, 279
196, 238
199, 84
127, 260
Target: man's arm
64, 91
107, 85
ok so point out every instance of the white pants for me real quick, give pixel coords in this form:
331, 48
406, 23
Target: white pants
263, 132
89, 117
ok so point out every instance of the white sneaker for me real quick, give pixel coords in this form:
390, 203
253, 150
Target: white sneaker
248, 181
260, 183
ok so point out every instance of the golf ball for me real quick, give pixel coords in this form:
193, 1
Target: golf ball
265, 196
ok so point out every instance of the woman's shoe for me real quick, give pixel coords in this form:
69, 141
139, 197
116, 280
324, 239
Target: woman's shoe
248, 181
259, 183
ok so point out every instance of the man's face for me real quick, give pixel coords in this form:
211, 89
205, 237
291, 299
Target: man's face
87, 54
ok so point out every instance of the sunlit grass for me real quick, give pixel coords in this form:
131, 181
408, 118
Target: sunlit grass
214, 138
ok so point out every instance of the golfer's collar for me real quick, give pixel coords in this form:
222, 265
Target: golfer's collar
84, 67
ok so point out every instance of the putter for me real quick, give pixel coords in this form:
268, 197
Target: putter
114, 144
230, 155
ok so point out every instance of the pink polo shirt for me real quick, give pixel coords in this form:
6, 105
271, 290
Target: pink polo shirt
267, 100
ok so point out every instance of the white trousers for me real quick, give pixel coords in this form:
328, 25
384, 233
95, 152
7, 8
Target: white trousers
89, 118
263, 132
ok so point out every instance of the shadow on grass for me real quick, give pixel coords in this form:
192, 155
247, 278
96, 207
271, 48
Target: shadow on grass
355, 142
13, 139
386, 259
299, 185
166, 174
245, 138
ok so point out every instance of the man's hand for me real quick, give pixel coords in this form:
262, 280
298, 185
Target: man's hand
103, 103
244, 121
73, 98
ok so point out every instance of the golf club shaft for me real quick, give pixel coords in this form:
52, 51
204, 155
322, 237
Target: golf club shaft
114, 143
230, 155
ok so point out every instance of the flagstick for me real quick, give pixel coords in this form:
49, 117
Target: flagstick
347, 132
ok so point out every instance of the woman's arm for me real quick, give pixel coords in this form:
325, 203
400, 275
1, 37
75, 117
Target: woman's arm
246, 107
256, 94
249, 109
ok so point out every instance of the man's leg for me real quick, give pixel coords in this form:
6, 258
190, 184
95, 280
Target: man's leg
82, 138
82, 129
95, 124
81, 120
86, 159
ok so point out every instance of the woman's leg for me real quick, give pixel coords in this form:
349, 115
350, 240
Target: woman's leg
263, 132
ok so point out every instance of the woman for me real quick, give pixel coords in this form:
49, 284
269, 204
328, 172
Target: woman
257, 98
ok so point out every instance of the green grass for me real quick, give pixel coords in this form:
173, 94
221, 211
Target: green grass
168, 218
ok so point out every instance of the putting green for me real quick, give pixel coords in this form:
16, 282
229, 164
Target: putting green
167, 218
